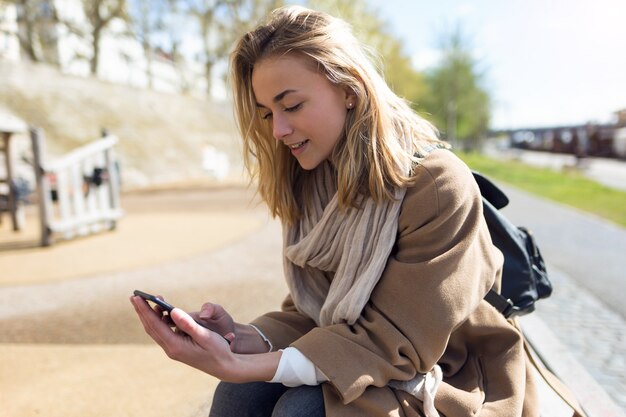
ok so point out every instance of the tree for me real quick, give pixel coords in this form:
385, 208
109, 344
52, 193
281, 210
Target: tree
207, 13
100, 14
458, 102
160, 26
247, 13
373, 32
28, 19
36, 19
220, 23
147, 22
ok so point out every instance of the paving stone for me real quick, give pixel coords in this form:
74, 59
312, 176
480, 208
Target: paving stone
593, 333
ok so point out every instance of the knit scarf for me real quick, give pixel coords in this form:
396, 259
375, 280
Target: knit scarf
333, 258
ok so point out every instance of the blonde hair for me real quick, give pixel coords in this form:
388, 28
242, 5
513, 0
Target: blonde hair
382, 133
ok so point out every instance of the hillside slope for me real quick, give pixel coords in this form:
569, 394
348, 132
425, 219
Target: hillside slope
161, 135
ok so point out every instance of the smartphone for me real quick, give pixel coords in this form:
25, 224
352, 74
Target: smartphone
165, 306
149, 297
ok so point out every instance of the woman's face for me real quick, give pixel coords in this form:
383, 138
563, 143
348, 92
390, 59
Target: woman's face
307, 111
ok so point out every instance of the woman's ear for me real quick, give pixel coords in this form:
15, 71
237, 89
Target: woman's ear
350, 98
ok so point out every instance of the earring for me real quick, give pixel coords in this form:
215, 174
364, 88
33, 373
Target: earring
350, 105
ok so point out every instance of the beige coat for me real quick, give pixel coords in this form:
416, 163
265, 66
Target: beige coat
427, 308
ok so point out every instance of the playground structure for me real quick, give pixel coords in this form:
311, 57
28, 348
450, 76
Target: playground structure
77, 194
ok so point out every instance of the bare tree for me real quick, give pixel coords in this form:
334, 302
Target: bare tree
36, 19
206, 13
220, 22
28, 19
146, 29
100, 13
148, 22
247, 13
173, 28
165, 24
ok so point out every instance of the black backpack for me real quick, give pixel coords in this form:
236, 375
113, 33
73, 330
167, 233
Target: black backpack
524, 276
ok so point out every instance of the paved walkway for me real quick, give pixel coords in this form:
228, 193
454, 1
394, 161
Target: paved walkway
595, 335
586, 262
73, 347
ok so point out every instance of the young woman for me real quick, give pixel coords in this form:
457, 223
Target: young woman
386, 253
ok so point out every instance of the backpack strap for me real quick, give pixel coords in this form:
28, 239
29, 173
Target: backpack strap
502, 304
553, 381
490, 191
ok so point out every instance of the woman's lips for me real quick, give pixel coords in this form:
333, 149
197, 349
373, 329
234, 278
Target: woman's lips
298, 148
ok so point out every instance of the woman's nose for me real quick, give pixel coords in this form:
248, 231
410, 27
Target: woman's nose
281, 127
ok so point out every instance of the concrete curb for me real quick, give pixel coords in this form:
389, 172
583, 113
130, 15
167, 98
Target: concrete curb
592, 397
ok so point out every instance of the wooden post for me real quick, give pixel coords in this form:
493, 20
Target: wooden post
114, 183
12, 197
78, 199
43, 188
4, 180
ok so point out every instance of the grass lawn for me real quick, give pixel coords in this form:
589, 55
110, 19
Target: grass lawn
567, 187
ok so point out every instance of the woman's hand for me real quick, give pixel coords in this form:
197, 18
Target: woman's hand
214, 317
202, 348
188, 342
242, 337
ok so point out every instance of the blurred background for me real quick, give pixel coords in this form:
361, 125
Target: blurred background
134, 176
540, 75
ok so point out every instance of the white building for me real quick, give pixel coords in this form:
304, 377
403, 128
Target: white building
9, 42
122, 59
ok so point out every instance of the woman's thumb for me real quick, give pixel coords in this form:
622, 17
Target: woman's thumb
184, 321
207, 312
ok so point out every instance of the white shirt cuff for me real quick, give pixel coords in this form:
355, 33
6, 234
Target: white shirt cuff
295, 369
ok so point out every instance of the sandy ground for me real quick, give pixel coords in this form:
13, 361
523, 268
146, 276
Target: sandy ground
160, 226
70, 344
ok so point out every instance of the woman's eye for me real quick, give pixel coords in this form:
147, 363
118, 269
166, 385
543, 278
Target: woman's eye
293, 108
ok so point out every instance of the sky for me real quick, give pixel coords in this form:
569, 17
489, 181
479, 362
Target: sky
546, 62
